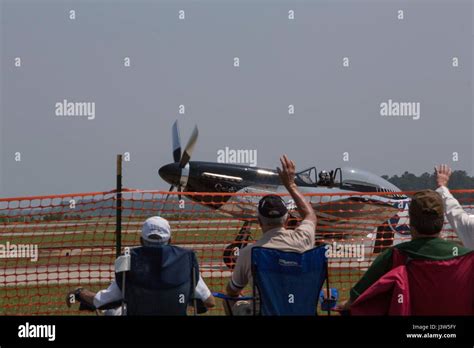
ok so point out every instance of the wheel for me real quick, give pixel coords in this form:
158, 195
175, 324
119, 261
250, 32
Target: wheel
231, 252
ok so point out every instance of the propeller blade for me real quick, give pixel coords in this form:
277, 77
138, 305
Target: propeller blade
166, 199
176, 142
188, 150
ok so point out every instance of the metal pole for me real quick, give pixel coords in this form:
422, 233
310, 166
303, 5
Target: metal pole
194, 291
118, 209
123, 293
328, 289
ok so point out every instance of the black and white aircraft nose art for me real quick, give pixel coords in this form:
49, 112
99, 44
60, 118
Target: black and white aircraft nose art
346, 195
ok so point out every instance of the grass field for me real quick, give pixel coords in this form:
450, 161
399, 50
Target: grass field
47, 299
82, 252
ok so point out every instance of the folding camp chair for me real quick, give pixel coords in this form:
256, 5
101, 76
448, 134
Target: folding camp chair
288, 283
157, 280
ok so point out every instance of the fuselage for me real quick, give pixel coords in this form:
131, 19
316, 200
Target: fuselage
350, 196
232, 178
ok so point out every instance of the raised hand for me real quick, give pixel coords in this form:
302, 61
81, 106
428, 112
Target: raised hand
287, 172
442, 173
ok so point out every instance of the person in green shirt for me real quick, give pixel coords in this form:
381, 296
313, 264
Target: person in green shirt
426, 214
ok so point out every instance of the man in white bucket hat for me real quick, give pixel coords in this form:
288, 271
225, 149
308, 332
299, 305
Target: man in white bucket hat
155, 231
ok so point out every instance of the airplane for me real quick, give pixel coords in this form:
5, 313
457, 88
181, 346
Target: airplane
344, 197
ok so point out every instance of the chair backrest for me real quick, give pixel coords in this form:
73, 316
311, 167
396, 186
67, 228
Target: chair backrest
288, 283
161, 280
440, 287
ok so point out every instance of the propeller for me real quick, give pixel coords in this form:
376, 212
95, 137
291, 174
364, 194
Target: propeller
176, 142
182, 158
188, 150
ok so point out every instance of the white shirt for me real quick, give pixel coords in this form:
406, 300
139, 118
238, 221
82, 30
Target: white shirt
462, 222
113, 293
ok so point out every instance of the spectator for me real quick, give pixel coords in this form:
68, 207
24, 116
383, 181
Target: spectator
155, 231
462, 222
430, 294
272, 215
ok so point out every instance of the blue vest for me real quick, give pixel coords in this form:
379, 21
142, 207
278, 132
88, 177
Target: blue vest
160, 280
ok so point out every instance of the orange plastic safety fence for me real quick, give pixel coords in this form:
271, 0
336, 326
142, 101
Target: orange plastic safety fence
51, 244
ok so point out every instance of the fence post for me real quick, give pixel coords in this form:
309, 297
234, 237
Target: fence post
118, 209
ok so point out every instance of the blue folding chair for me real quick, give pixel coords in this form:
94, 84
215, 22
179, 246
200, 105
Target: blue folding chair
158, 280
288, 283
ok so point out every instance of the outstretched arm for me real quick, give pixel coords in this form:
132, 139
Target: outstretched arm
287, 176
462, 222
204, 294
88, 298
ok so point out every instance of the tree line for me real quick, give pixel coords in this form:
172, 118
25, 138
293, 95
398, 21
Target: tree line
411, 182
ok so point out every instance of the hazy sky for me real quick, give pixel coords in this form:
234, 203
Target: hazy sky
190, 62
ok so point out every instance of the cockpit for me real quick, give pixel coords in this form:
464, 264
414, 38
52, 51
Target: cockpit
308, 176
346, 179
311, 177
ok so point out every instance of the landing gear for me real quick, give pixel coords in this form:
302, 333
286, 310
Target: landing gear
231, 252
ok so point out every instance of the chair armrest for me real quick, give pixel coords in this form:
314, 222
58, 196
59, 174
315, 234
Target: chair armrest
231, 298
111, 305
200, 307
